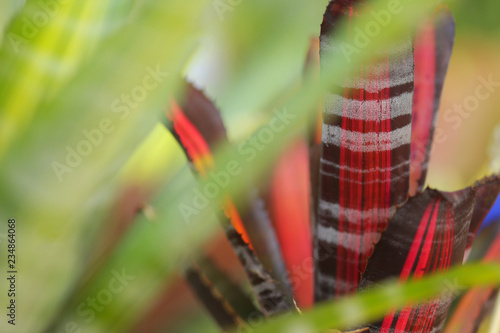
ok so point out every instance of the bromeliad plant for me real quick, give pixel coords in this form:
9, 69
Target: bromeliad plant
319, 206
346, 203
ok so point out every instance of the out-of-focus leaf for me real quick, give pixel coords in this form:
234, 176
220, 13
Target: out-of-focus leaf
433, 46
199, 129
225, 300
475, 305
487, 191
290, 208
493, 215
43, 48
144, 258
8, 9
426, 236
373, 304
56, 180
215, 303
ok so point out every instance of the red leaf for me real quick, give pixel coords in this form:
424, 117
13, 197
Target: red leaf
433, 46
290, 194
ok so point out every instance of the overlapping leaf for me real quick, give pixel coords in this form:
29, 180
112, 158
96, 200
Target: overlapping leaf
433, 46
198, 127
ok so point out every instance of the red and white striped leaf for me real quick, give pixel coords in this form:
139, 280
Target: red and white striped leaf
365, 161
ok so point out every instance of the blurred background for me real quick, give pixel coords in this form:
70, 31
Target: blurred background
470, 149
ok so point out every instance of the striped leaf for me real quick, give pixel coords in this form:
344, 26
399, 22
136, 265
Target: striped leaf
227, 303
197, 125
271, 298
198, 128
426, 236
364, 168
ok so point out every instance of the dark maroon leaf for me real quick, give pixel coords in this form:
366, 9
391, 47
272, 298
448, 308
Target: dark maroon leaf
224, 299
487, 191
197, 125
426, 236
222, 312
270, 296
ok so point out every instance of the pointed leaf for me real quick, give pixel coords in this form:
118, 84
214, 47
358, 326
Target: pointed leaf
487, 191
474, 305
290, 193
365, 155
433, 46
426, 236
197, 125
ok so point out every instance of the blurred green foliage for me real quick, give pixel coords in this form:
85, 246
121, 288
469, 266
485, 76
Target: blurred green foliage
477, 18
